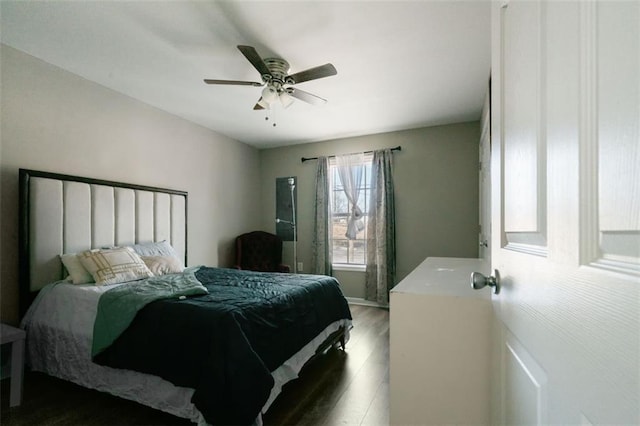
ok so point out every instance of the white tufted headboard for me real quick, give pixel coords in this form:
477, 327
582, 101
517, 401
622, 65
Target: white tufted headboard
67, 214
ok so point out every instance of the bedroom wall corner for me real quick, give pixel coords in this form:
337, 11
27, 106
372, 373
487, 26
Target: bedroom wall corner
55, 121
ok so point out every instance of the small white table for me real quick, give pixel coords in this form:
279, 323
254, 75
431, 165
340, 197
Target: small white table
15, 336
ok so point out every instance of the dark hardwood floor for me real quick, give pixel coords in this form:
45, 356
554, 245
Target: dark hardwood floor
346, 388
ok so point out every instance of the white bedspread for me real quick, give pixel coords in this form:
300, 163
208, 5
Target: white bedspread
59, 328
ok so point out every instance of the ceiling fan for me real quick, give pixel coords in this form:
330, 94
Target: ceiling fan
278, 83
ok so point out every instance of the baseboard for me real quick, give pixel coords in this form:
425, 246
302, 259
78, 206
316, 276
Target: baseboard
364, 302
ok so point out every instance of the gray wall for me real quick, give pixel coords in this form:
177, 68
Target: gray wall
436, 178
55, 121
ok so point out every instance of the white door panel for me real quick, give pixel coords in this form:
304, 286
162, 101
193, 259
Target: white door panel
615, 143
484, 190
524, 155
566, 211
525, 386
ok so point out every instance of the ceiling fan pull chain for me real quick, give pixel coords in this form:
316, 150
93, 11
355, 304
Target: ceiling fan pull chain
266, 116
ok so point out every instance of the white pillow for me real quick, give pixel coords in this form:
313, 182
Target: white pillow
77, 272
116, 265
161, 265
159, 248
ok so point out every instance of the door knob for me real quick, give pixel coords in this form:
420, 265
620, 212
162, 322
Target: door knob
479, 281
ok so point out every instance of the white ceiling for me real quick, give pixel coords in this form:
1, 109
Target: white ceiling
401, 64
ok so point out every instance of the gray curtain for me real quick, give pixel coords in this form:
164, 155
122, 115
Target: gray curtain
381, 230
321, 236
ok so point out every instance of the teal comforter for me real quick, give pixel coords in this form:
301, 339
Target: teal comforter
226, 343
118, 307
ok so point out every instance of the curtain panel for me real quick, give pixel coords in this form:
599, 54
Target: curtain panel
322, 249
381, 238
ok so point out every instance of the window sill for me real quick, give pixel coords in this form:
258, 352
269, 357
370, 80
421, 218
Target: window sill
348, 267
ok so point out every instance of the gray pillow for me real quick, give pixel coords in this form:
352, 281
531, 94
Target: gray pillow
161, 248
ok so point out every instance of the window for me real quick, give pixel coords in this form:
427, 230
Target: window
348, 251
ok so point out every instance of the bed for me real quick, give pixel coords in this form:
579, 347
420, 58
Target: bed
212, 345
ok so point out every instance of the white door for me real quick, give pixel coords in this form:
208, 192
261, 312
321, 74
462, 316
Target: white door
566, 211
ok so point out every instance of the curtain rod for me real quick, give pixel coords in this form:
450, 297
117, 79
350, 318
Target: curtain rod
397, 148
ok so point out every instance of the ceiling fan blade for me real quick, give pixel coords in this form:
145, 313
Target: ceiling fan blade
321, 71
233, 82
306, 96
252, 56
260, 105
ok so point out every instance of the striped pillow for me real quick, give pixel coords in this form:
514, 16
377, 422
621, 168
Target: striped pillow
116, 265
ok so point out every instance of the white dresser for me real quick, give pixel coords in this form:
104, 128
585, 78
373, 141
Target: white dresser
440, 345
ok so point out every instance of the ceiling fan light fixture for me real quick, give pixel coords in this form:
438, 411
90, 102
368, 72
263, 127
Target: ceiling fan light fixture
286, 100
269, 94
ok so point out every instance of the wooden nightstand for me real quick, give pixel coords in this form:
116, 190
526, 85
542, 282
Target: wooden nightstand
15, 336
